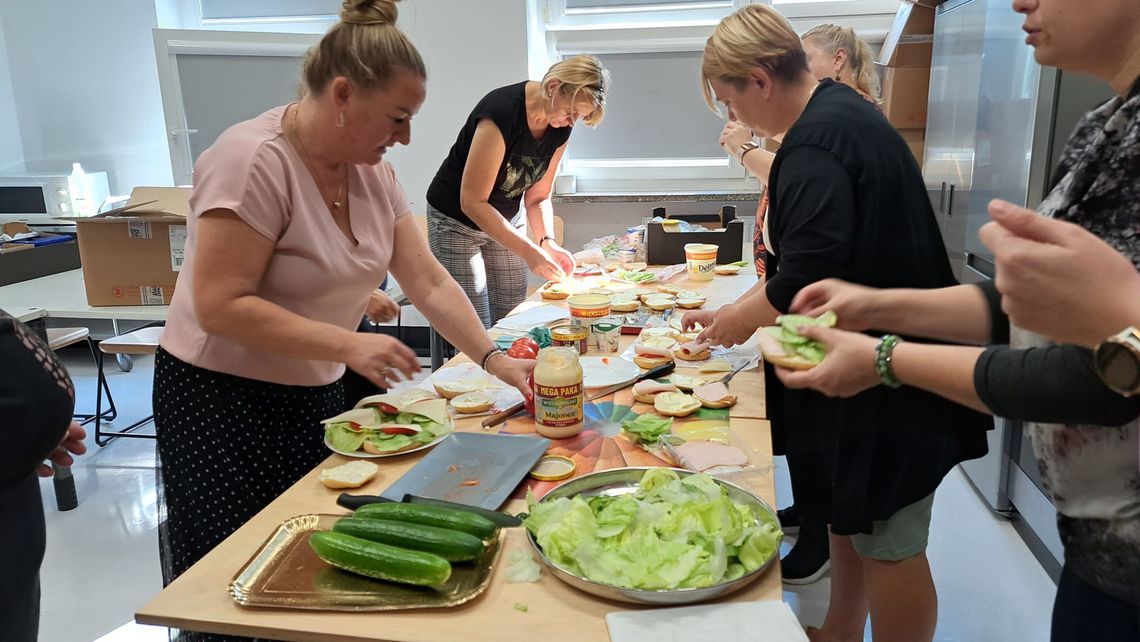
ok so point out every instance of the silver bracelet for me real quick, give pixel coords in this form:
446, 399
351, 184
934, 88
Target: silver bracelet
487, 357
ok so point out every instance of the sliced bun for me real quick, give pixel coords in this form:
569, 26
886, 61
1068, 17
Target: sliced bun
696, 356
470, 403
690, 304
555, 295
775, 354
354, 474
644, 398
648, 363
625, 306
676, 404
452, 389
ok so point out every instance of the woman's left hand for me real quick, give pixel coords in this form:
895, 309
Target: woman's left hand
563, 257
71, 444
380, 307
513, 371
848, 368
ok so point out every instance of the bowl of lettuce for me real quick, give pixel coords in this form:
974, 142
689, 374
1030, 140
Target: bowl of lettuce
653, 535
382, 429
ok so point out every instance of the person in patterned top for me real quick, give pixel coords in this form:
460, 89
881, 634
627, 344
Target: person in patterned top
1086, 437
36, 401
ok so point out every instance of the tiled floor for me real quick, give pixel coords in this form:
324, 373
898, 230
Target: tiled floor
102, 558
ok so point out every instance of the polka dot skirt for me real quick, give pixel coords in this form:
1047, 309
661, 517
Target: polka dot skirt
227, 447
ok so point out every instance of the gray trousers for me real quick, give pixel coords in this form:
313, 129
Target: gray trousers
493, 277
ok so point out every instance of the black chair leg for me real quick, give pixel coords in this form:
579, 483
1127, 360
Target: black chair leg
103, 437
100, 387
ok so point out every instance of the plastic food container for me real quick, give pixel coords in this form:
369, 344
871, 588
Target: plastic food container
558, 393
572, 336
605, 334
701, 260
587, 308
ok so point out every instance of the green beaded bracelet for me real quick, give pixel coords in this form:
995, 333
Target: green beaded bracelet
883, 363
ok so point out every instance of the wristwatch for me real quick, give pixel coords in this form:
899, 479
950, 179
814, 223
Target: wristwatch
1117, 362
745, 148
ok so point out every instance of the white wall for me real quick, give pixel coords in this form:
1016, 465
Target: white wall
11, 151
470, 48
85, 86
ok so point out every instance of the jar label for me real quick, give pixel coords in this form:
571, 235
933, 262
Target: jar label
558, 406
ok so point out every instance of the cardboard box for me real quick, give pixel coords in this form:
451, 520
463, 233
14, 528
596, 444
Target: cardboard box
132, 255
668, 248
916, 141
905, 94
910, 41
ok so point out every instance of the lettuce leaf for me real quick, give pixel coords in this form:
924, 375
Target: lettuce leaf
787, 333
647, 428
389, 443
673, 532
344, 438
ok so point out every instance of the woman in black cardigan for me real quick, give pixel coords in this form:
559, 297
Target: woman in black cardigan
847, 201
36, 400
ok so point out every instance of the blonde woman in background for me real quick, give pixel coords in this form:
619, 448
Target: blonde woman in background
837, 53
506, 155
846, 198
294, 220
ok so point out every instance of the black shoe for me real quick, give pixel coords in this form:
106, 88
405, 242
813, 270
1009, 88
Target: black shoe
789, 520
805, 563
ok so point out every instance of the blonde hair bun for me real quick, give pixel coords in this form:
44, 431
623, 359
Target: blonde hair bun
581, 76
369, 12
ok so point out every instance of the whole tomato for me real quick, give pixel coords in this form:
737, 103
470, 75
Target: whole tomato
527, 341
522, 351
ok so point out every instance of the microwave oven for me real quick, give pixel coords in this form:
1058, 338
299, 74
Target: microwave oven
32, 196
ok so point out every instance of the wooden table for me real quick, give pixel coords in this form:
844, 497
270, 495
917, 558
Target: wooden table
198, 600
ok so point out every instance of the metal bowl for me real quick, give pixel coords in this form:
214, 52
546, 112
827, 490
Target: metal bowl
622, 481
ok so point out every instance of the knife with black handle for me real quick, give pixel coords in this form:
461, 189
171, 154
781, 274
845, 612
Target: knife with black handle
649, 374
502, 520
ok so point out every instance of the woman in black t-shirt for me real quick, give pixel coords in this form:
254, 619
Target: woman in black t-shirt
501, 158
847, 198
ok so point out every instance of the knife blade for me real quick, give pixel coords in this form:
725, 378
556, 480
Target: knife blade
649, 374
352, 502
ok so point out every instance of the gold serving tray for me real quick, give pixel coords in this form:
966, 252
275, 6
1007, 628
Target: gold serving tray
286, 573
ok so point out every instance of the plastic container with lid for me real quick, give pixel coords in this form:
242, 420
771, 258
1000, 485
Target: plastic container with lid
587, 308
558, 393
701, 260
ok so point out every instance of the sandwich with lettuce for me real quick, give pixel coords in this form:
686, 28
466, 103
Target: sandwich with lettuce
783, 345
386, 425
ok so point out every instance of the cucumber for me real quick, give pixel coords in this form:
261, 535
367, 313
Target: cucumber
453, 546
381, 561
437, 516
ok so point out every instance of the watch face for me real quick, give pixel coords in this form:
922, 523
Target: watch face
1118, 366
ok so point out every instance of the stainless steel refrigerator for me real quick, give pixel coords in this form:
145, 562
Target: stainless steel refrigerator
996, 125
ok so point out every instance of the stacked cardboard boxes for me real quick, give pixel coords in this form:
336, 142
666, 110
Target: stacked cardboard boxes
904, 63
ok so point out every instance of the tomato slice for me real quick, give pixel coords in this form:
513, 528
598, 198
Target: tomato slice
527, 341
388, 409
399, 429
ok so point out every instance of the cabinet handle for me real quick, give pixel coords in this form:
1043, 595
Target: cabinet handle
942, 198
950, 202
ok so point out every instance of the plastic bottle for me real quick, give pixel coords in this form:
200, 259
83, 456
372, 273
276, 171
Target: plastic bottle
80, 189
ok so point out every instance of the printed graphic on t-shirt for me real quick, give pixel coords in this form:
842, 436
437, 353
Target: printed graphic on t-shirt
522, 172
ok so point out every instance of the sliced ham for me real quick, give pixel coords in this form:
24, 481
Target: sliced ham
651, 387
713, 392
702, 455
643, 350
695, 347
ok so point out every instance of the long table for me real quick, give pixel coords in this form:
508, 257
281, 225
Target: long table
198, 599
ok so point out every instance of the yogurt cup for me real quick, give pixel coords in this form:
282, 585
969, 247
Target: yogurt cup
700, 258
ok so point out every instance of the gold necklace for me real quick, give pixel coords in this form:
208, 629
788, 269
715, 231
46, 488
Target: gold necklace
336, 202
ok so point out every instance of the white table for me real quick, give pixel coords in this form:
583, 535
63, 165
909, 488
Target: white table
64, 296
25, 314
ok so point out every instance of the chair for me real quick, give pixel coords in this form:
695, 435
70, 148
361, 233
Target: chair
59, 338
141, 341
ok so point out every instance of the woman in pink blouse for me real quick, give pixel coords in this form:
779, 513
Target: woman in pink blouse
295, 220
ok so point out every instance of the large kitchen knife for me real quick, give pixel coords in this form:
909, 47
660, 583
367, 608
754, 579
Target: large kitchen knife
352, 502
649, 374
